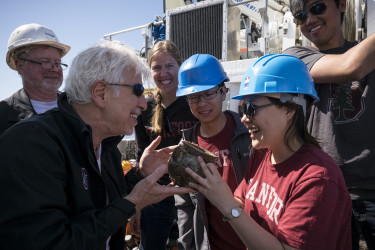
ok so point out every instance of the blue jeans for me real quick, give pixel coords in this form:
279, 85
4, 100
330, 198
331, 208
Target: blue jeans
156, 223
363, 222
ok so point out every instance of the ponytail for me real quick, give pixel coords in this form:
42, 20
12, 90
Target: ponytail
158, 114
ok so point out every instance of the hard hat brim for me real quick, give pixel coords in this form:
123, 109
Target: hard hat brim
276, 95
63, 47
184, 91
237, 97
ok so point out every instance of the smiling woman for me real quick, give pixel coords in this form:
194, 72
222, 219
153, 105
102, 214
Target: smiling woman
293, 194
166, 115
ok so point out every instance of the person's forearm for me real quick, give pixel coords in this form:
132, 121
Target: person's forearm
251, 234
362, 57
353, 65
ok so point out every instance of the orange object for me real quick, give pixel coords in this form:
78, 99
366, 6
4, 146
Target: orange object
126, 166
131, 240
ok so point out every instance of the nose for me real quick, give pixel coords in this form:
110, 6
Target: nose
201, 99
55, 67
142, 103
245, 119
310, 18
163, 71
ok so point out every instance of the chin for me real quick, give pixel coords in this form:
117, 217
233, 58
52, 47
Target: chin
128, 132
257, 145
52, 87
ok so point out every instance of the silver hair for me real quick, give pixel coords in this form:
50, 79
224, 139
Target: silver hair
105, 61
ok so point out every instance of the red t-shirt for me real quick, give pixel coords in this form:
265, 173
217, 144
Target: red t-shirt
221, 234
303, 201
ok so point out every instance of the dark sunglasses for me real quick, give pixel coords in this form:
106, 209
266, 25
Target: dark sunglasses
248, 109
138, 88
316, 9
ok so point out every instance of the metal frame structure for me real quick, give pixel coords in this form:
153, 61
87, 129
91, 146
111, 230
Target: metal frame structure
200, 5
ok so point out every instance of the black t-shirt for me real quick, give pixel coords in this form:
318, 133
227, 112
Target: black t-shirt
177, 117
342, 121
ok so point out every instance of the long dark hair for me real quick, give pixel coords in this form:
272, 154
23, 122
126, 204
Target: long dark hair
298, 126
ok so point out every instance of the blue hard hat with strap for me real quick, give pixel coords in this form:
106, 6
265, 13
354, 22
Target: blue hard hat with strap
198, 73
277, 73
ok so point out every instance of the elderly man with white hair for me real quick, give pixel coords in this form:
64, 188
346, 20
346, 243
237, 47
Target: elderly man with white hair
61, 182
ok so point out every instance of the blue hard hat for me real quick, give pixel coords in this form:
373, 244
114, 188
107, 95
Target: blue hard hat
277, 73
198, 73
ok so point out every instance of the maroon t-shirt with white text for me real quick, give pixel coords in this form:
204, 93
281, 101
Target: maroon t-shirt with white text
221, 234
302, 201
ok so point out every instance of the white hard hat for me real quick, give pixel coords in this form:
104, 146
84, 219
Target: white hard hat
32, 34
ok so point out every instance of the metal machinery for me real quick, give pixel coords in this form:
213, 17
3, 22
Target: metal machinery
237, 31
234, 31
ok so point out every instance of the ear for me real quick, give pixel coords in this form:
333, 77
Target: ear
99, 92
224, 93
290, 113
19, 66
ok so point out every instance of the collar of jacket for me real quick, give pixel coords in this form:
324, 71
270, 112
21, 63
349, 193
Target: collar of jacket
78, 126
21, 104
22, 107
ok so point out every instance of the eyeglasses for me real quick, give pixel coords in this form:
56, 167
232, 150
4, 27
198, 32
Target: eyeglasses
248, 109
47, 65
207, 96
316, 9
138, 88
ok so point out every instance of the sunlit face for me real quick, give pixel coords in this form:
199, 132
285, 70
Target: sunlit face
324, 30
34, 76
123, 110
164, 69
268, 127
208, 111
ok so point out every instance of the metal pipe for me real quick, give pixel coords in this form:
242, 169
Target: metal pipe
271, 4
132, 29
239, 3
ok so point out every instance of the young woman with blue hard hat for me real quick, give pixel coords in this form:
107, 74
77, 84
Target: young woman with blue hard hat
201, 80
293, 194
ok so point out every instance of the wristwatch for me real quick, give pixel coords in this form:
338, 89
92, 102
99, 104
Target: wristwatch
234, 213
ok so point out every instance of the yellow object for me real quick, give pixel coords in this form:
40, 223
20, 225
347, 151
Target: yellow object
126, 165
